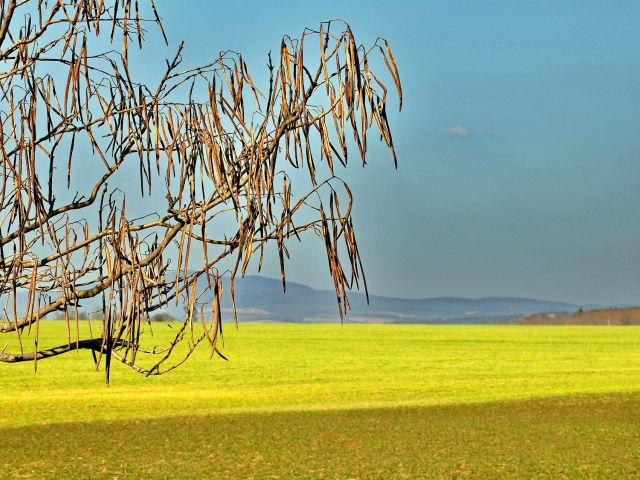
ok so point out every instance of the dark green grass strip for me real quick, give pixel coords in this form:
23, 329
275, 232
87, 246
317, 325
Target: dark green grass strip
562, 438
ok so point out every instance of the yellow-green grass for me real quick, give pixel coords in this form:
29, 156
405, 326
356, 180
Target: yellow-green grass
331, 401
275, 367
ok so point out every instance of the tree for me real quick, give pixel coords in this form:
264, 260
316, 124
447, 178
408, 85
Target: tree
76, 123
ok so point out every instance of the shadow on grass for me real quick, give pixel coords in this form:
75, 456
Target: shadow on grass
569, 437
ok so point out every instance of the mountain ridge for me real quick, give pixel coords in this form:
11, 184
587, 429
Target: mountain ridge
302, 303
260, 298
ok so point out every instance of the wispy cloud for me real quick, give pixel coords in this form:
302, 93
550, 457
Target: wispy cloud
458, 131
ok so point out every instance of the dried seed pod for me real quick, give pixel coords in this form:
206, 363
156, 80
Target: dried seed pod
222, 148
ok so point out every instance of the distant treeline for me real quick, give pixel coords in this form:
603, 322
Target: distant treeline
83, 315
603, 316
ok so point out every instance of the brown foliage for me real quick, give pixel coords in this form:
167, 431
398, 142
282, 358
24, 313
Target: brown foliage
74, 118
604, 316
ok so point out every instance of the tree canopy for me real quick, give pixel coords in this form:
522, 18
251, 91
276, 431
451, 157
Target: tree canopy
210, 153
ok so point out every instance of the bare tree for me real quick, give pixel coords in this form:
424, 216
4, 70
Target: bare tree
76, 124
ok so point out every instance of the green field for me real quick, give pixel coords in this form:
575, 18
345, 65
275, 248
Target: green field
331, 401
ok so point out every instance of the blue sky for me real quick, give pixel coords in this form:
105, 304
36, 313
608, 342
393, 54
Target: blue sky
519, 143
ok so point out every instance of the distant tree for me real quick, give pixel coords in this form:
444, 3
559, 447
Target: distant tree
77, 123
163, 317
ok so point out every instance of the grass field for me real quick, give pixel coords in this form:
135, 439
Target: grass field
331, 401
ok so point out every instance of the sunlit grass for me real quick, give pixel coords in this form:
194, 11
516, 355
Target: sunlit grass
288, 367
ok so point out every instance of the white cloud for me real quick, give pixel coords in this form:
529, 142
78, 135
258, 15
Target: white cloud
458, 131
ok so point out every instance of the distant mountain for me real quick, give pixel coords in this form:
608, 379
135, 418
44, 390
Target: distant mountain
262, 299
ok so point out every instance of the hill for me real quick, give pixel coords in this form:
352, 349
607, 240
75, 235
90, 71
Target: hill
262, 299
601, 316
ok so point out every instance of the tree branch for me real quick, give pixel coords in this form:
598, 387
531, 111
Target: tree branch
90, 344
